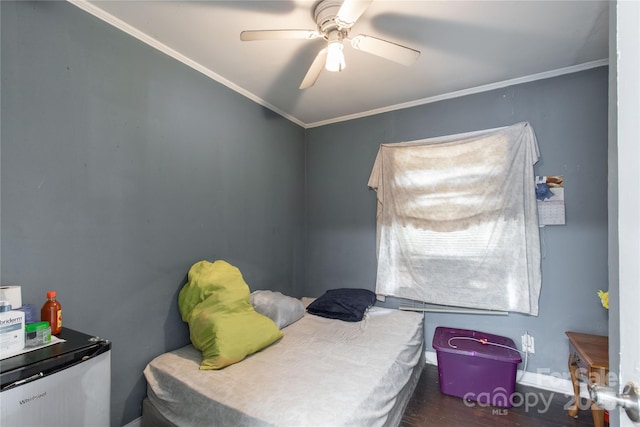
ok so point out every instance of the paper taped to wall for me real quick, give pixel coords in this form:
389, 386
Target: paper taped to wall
550, 199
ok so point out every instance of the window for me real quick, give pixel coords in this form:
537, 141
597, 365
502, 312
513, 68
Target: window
457, 220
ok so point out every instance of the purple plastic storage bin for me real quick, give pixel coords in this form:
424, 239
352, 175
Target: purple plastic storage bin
470, 367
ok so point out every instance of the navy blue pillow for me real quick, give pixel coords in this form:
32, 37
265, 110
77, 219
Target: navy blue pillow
346, 304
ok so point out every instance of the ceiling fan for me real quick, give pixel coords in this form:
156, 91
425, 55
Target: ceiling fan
334, 19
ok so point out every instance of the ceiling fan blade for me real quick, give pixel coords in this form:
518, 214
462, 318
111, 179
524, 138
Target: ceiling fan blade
314, 71
385, 49
252, 35
350, 11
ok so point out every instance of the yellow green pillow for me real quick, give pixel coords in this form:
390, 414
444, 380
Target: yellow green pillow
222, 323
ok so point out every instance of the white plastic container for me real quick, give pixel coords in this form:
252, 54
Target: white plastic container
38, 333
11, 329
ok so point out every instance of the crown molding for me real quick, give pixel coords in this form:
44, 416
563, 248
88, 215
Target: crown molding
145, 38
123, 26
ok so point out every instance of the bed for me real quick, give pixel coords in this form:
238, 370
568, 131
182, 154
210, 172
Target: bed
321, 372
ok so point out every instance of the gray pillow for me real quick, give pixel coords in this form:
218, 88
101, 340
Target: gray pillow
283, 310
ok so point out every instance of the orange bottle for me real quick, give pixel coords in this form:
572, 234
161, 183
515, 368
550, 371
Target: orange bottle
52, 312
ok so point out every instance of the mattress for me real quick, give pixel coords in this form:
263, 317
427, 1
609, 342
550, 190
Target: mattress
323, 372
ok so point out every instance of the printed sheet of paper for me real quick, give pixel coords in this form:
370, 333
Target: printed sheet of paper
550, 198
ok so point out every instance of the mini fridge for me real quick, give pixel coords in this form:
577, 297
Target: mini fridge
65, 384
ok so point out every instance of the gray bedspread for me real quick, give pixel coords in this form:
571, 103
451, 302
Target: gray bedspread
323, 372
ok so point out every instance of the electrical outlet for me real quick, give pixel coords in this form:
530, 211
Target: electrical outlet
528, 343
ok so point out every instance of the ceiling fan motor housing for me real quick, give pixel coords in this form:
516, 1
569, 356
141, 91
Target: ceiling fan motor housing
325, 14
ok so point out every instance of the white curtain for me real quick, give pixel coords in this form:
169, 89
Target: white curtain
457, 222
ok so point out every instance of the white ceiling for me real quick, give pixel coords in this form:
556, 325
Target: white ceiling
465, 46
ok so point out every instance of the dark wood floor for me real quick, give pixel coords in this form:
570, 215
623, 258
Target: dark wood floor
429, 407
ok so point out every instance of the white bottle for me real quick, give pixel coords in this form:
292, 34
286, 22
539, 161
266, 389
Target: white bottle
11, 329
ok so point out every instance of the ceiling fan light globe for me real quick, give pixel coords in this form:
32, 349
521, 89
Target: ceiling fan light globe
335, 57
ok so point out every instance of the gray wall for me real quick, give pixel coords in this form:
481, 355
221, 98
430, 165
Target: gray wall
121, 167
569, 116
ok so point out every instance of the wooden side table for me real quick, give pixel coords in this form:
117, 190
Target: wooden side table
588, 361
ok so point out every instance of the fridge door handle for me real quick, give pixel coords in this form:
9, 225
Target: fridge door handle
23, 381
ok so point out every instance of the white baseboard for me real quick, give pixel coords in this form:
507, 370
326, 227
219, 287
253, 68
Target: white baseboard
532, 379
